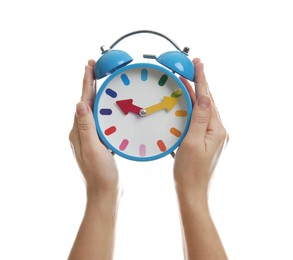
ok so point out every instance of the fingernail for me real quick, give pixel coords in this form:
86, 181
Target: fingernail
81, 109
204, 102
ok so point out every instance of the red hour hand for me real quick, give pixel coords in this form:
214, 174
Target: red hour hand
127, 106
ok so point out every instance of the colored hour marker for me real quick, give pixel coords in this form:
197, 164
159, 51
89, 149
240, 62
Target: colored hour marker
177, 93
123, 144
175, 132
110, 130
111, 93
163, 80
144, 74
105, 111
180, 113
142, 150
125, 79
161, 146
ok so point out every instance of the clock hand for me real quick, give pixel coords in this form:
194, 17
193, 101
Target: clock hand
126, 106
167, 103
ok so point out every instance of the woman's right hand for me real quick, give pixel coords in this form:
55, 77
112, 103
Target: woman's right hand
201, 148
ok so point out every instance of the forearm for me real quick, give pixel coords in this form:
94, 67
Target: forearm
202, 241
96, 236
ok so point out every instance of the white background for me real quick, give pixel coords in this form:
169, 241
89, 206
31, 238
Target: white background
247, 50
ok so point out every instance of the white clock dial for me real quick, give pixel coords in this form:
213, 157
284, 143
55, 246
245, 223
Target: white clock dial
142, 112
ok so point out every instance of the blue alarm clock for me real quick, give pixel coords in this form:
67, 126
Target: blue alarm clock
142, 111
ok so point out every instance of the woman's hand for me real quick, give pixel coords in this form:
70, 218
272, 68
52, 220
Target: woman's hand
199, 152
195, 162
96, 236
95, 161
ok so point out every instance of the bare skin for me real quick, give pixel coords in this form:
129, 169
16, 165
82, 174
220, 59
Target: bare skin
96, 236
195, 163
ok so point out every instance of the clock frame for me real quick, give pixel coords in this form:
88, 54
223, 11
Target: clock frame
142, 110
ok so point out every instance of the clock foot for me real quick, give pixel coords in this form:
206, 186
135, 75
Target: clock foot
173, 154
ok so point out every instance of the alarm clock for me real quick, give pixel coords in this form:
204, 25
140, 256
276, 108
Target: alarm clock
142, 110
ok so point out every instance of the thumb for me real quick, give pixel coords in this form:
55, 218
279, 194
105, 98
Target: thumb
86, 124
200, 117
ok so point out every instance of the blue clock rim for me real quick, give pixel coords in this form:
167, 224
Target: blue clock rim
101, 90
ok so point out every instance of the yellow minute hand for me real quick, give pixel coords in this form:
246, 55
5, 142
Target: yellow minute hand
167, 103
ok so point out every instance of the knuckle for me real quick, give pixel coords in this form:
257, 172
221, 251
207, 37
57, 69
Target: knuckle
89, 154
200, 117
87, 100
227, 138
83, 126
71, 136
222, 134
190, 146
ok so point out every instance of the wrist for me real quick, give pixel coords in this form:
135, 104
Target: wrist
192, 184
109, 197
192, 199
102, 211
105, 202
95, 194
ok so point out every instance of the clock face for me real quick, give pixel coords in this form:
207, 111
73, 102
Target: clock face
142, 112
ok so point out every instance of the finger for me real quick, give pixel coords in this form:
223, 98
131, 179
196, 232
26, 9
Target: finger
74, 139
196, 61
202, 87
215, 121
91, 63
214, 104
189, 89
200, 79
88, 85
216, 127
188, 85
86, 126
200, 118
